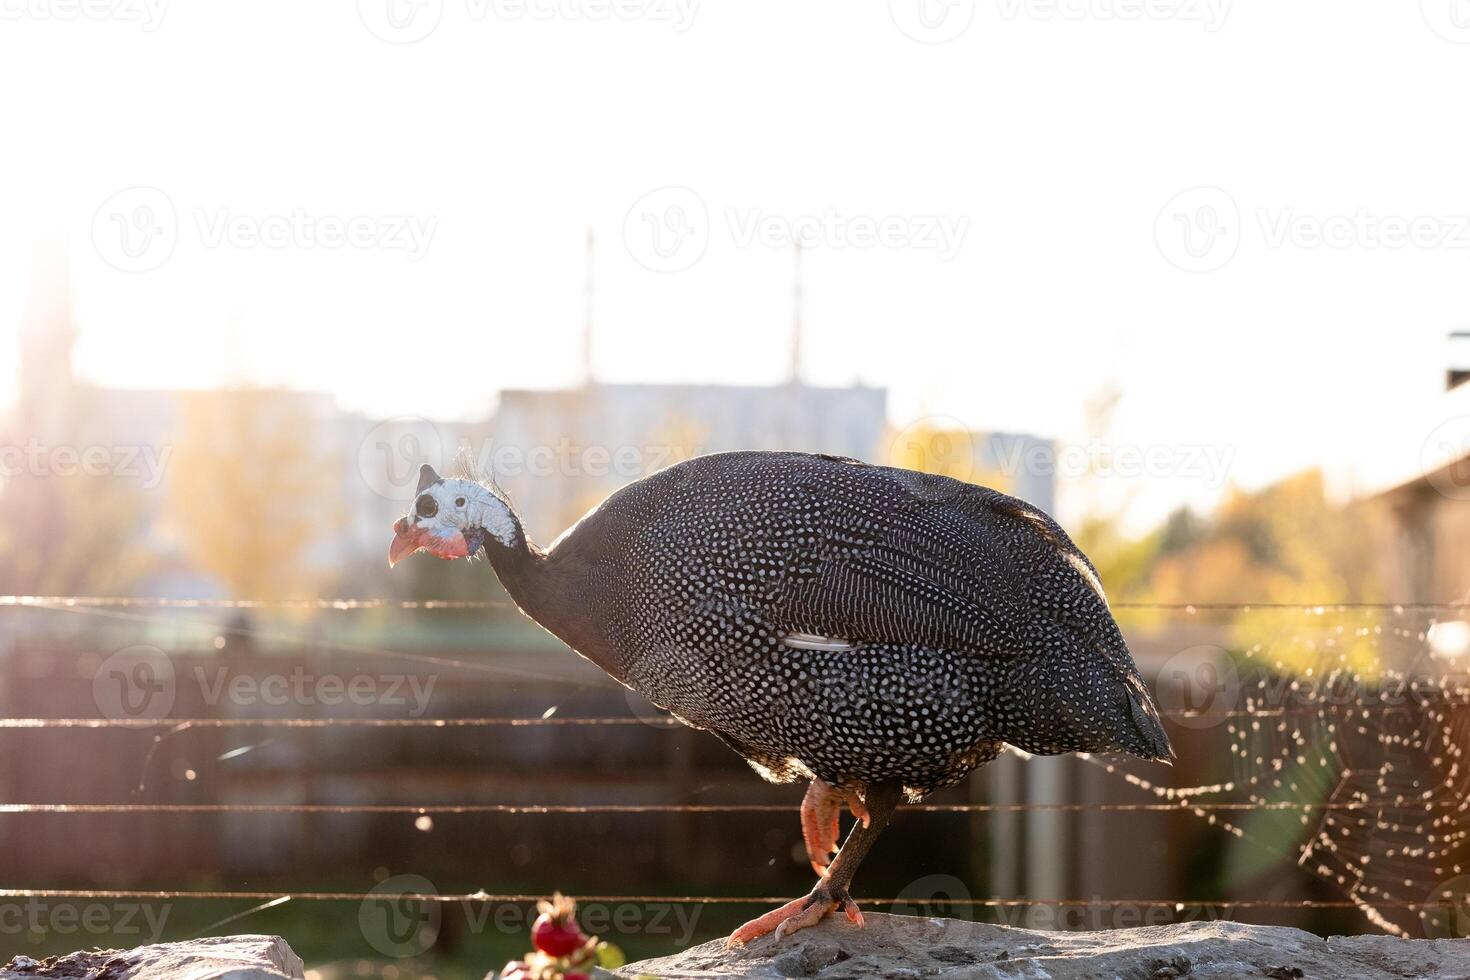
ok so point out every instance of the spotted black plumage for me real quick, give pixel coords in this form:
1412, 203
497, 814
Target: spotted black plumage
829, 618
877, 631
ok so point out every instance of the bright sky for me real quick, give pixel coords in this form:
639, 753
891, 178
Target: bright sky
1049, 139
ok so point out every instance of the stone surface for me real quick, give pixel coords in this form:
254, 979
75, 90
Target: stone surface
215, 958
904, 947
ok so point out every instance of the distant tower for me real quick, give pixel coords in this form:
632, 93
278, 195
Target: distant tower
587, 297
47, 336
797, 326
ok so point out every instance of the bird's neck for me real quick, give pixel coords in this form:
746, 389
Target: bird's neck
549, 588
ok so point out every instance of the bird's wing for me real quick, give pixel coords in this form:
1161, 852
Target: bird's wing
929, 560
835, 550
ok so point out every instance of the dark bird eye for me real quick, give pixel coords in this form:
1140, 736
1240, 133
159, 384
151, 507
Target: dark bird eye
426, 506
459, 501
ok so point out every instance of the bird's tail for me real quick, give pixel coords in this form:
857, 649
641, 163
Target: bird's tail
1151, 741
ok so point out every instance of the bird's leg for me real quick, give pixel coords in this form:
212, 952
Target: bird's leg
819, 819
881, 800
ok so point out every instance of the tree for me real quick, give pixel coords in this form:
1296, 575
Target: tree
249, 491
66, 531
931, 447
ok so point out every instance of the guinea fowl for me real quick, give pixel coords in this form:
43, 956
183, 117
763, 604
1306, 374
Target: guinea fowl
877, 631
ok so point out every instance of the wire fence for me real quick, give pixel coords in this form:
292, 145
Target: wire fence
1185, 801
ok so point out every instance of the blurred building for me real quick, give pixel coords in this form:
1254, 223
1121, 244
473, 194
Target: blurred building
1425, 494
137, 432
368, 465
558, 453
1424, 561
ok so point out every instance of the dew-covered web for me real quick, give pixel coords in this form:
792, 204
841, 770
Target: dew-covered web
1345, 730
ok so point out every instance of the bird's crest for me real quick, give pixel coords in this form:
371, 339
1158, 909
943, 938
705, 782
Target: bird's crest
467, 467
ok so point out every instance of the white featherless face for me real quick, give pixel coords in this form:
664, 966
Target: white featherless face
451, 518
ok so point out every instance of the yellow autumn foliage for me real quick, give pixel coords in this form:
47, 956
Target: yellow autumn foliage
1285, 546
946, 451
249, 493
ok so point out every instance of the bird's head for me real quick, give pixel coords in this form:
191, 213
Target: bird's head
451, 518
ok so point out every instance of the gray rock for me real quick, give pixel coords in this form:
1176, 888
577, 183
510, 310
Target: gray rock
905, 947
215, 958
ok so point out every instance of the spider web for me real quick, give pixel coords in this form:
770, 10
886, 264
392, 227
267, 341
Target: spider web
1353, 725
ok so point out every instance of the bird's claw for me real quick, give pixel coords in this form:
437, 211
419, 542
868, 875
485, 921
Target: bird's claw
804, 919
800, 914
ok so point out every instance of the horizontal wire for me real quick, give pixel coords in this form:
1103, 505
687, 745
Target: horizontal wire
1300, 606
554, 808
171, 895
161, 602
321, 723
656, 721
343, 604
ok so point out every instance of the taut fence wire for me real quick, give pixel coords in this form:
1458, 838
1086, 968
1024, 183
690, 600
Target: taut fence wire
347, 605
395, 896
181, 724
470, 808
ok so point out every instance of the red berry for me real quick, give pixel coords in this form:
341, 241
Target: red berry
556, 937
575, 976
555, 931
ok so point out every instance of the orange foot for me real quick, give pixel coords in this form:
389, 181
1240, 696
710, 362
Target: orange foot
799, 914
819, 820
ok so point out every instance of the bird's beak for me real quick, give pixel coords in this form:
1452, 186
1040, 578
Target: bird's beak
408, 538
